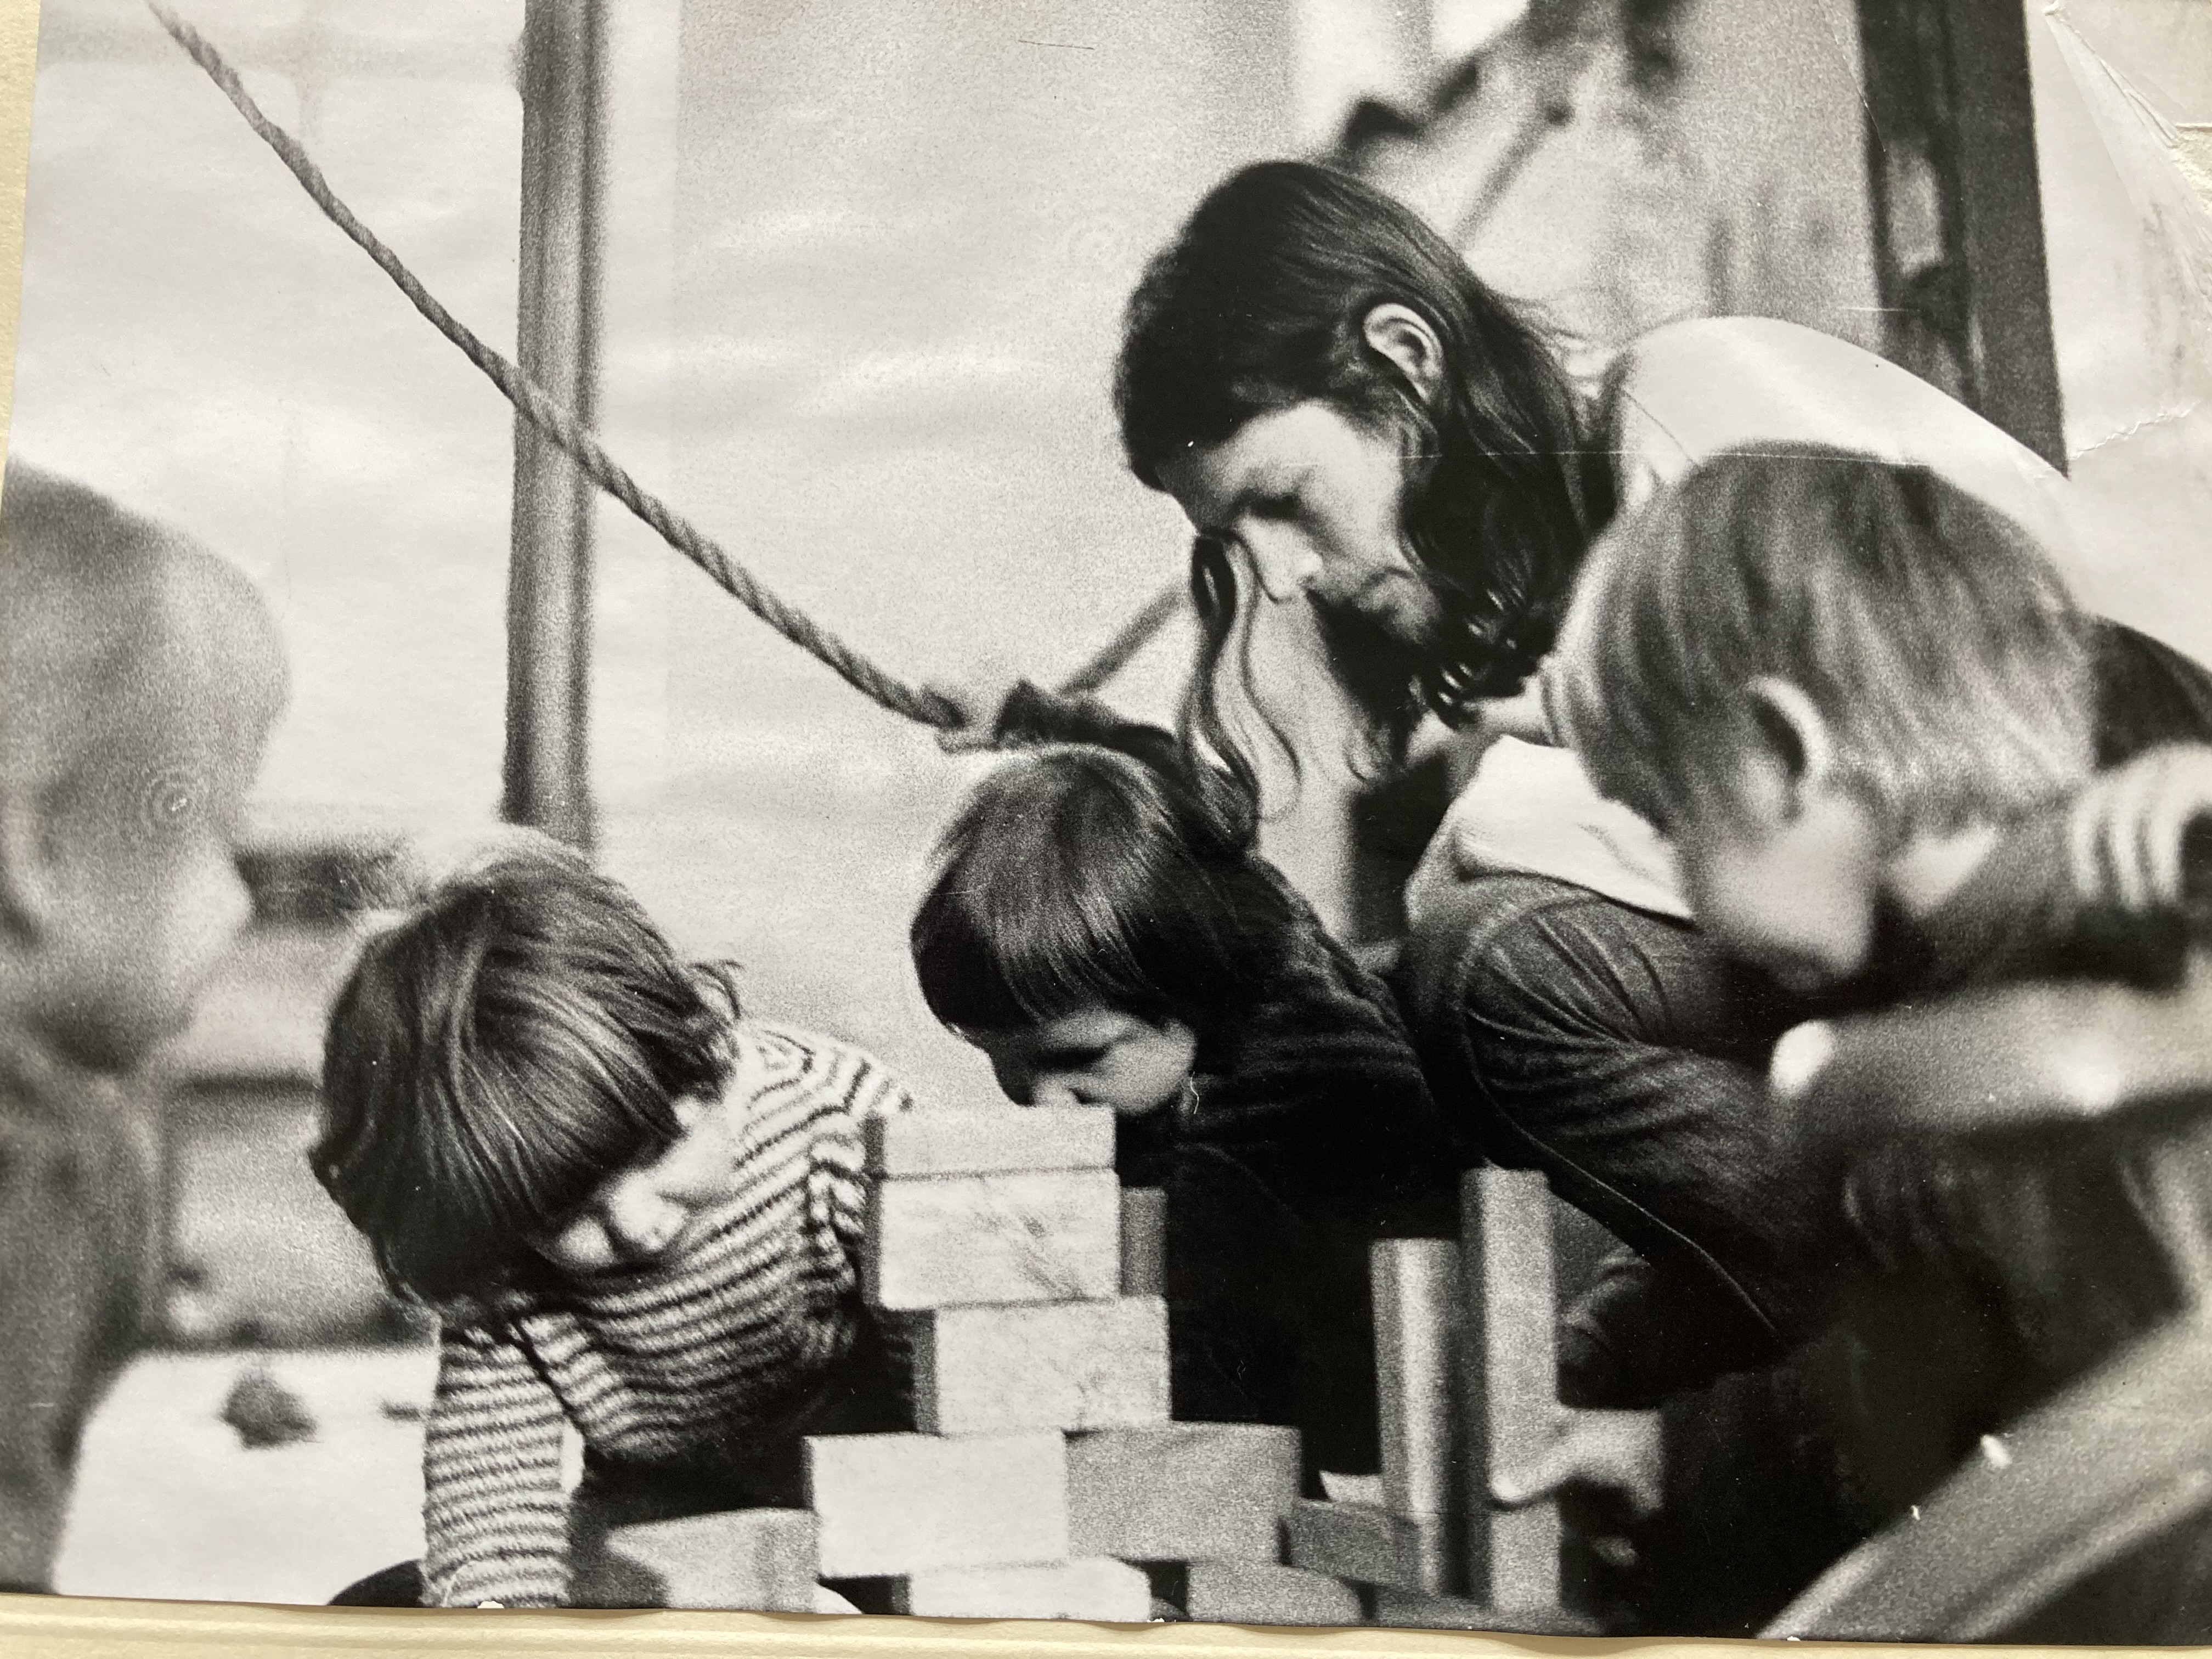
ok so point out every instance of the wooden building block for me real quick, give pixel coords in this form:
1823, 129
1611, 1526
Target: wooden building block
1267, 1593
763, 1560
1411, 1610
1040, 1365
1144, 1241
901, 1504
952, 1241
1176, 1491
1417, 1310
1001, 1140
1369, 1544
1510, 1381
1092, 1589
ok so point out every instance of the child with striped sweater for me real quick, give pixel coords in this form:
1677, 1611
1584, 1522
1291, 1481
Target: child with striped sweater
635, 1211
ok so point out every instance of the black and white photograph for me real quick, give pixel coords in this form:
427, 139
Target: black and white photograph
1306, 813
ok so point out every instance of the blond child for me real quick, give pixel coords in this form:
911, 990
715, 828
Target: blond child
139, 676
1863, 709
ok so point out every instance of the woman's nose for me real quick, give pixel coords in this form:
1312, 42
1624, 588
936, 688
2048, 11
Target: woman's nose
1283, 566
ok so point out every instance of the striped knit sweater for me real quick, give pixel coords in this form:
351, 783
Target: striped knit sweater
669, 1365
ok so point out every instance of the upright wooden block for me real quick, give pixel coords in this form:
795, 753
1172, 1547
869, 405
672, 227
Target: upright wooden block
1042, 1365
763, 1560
1092, 1588
1001, 1140
1144, 1241
1510, 1381
951, 1241
1176, 1491
1267, 1593
1369, 1544
1417, 1311
895, 1504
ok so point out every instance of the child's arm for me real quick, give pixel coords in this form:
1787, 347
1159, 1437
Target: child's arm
2001, 1059
1032, 714
495, 1517
1321, 1096
999, 710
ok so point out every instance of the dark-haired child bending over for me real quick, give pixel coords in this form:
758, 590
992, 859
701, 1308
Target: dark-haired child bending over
636, 1212
1104, 929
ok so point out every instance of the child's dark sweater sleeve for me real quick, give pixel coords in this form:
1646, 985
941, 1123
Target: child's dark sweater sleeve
1319, 1093
495, 1520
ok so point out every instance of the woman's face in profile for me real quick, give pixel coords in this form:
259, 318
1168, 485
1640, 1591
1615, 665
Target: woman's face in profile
1312, 500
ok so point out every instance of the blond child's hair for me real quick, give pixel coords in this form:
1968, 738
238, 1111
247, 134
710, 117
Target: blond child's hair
1933, 635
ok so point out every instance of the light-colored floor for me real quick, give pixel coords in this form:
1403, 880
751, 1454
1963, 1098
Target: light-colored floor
170, 1503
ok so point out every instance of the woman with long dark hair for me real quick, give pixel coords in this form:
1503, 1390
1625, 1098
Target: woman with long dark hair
1330, 391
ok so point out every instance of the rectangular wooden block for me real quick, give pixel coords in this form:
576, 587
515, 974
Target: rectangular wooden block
1417, 1310
1042, 1365
763, 1560
1144, 1241
1370, 1546
1176, 1491
1092, 1588
1267, 1593
1001, 1140
954, 1241
894, 1505
1510, 1379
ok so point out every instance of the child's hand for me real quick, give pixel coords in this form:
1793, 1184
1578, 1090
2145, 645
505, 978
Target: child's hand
1609, 1465
981, 697
1611, 1455
2127, 830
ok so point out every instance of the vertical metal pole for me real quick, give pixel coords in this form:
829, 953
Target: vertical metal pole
2001, 222
1958, 210
548, 604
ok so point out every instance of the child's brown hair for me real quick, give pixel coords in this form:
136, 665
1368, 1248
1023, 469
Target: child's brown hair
524, 1033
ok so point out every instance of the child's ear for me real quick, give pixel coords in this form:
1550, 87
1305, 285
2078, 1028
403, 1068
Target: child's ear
1796, 734
28, 893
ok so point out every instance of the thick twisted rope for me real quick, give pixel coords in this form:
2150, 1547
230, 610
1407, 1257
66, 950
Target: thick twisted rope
557, 423
1135, 633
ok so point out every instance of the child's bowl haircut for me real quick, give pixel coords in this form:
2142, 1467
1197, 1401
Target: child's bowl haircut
524, 1033
1078, 877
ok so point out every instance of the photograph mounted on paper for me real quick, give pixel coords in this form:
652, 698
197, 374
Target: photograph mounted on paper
1328, 812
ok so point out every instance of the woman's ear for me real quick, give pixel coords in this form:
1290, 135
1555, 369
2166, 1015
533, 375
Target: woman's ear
1797, 735
1403, 334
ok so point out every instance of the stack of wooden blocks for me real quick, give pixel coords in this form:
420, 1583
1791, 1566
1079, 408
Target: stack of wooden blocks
1044, 1479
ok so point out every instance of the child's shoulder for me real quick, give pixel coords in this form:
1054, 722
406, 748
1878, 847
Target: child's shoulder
1313, 982
781, 1059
